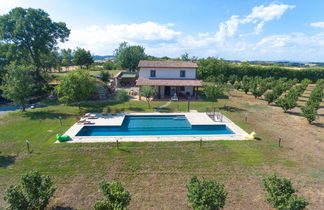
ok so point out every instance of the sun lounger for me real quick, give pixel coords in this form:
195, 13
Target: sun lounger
92, 116
87, 114
83, 121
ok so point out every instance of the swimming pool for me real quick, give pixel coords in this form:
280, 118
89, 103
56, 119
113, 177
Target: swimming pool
147, 125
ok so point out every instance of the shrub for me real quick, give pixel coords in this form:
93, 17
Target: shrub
280, 193
116, 197
122, 96
34, 192
104, 76
206, 194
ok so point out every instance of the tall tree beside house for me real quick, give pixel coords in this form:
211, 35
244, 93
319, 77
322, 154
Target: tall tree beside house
83, 58
129, 56
33, 35
76, 86
148, 92
18, 84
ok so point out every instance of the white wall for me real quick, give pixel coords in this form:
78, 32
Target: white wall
169, 73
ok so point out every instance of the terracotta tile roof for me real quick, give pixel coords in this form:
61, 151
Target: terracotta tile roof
167, 64
168, 82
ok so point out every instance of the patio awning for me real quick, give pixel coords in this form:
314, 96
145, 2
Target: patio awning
169, 82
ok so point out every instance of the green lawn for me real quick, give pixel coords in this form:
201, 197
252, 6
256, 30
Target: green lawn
40, 126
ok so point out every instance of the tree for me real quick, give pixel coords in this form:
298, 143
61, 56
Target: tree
281, 194
185, 57
270, 97
104, 75
51, 61
33, 35
129, 56
148, 92
206, 194
67, 57
108, 65
213, 92
233, 78
286, 103
76, 86
34, 192
122, 96
18, 84
83, 58
310, 112
116, 197
246, 84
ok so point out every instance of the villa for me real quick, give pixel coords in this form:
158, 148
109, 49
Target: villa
170, 78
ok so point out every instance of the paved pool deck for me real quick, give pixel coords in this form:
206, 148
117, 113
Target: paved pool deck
195, 118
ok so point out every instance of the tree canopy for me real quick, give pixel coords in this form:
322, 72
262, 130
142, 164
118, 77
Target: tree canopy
148, 92
206, 194
116, 197
32, 34
34, 192
129, 56
18, 84
76, 86
83, 58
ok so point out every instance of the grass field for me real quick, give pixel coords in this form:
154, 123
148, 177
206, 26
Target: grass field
156, 173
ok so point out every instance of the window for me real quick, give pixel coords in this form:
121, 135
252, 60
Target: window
182, 73
152, 73
182, 88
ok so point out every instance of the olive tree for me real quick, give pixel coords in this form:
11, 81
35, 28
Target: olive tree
206, 194
34, 192
116, 197
148, 92
18, 84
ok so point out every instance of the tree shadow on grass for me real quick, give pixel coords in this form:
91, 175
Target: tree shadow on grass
42, 115
5, 161
231, 109
62, 208
320, 125
136, 109
295, 113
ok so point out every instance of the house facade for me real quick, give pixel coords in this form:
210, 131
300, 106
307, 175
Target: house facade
169, 78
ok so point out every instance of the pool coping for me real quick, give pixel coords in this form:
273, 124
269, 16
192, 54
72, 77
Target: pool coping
194, 118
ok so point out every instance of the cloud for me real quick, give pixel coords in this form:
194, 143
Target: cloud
97, 38
318, 24
259, 16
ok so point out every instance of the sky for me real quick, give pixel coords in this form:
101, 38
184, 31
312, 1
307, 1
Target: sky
230, 29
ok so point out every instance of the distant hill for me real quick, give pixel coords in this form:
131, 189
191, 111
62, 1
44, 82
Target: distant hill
103, 57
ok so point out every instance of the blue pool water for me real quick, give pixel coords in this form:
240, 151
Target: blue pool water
148, 125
